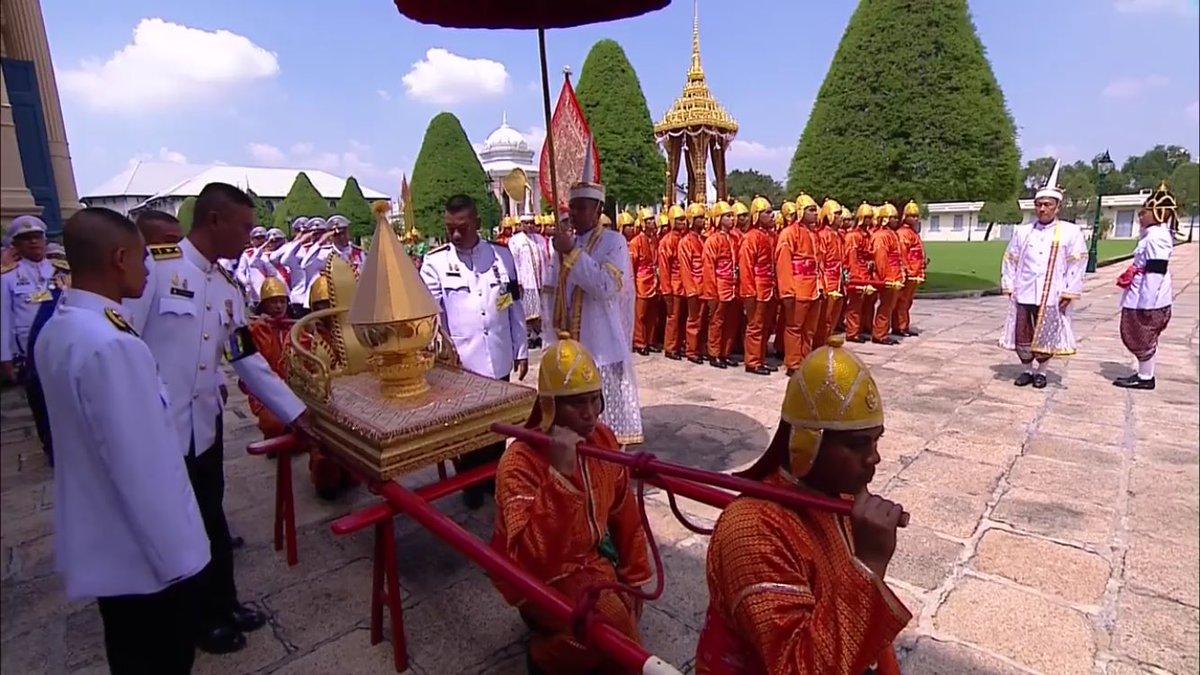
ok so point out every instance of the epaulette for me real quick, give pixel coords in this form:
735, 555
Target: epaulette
439, 249
8, 267
119, 321
165, 251
61, 264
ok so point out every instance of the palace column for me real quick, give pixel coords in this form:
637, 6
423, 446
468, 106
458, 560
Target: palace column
15, 198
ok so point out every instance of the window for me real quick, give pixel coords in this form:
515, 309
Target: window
935, 223
958, 222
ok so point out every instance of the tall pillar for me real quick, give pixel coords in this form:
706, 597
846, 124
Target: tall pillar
15, 198
25, 39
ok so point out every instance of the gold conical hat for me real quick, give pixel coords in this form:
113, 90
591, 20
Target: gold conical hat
567, 369
624, 218
911, 209
645, 214
389, 288
846, 215
272, 287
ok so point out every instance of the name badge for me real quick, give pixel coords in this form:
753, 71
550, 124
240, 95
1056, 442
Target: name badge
504, 301
182, 292
40, 296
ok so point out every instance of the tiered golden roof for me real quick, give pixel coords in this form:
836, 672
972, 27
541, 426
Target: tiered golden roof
696, 107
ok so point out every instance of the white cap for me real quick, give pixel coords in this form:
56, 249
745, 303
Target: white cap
527, 217
259, 231
1051, 189
55, 248
275, 233
317, 224
24, 225
300, 224
338, 221
587, 187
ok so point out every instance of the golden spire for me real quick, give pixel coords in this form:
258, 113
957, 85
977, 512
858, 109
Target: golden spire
389, 288
697, 71
696, 107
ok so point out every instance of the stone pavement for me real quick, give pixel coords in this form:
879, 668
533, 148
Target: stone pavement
1053, 531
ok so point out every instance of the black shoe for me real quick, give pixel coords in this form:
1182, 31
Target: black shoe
221, 640
656, 350
899, 333
790, 372
674, 357
717, 363
911, 333
760, 370
860, 339
1126, 381
473, 497
1135, 383
886, 341
1024, 379
732, 362
698, 360
773, 369
1039, 381
246, 619
779, 355
329, 494
236, 542
643, 351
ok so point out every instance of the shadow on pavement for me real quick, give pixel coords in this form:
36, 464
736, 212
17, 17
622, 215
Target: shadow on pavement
705, 437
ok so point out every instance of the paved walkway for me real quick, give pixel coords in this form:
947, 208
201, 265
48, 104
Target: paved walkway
1053, 531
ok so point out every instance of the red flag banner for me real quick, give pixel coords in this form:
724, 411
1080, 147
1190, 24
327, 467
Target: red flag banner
571, 137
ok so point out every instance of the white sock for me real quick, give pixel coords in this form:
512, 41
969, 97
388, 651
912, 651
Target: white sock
1146, 369
1033, 366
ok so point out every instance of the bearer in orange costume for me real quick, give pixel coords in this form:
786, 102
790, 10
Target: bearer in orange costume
655, 227
643, 254
691, 266
847, 224
857, 257
670, 283
797, 265
889, 268
913, 257
572, 522
871, 301
830, 242
719, 285
269, 330
756, 284
735, 332
799, 590
784, 217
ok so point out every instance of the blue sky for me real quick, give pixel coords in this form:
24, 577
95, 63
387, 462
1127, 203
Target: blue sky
350, 86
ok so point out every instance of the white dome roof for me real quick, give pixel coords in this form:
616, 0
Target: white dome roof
505, 138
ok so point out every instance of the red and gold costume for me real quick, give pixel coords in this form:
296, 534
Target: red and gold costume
691, 266
719, 285
889, 268
832, 293
735, 331
756, 266
797, 267
913, 256
270, 339
670, 280
643, 254
786, 593
570, 532
857, 256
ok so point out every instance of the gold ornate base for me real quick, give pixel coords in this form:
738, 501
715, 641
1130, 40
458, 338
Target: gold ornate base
402, 375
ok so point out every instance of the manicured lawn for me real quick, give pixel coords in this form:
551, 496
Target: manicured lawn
969, 266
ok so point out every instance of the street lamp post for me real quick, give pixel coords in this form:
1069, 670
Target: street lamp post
1104, 165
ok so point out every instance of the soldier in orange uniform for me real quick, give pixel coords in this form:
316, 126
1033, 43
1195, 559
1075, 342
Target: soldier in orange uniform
691, 266
870, 302
670, 283
719, 285
857, 256
828, 223
269, 330
625, 225
784, 217
735, 332
643, 254
655, 227
889, 268
801, 590
913, 255
756, 285
797, 266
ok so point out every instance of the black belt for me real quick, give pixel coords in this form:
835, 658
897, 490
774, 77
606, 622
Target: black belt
1156, 267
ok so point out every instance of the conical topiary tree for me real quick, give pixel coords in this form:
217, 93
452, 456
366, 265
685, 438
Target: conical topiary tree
302, 200
611, 97
186, 209
354, 206
900, 118
446, 166
265, 217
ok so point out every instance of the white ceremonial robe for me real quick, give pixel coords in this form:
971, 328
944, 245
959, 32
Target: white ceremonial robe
600, 268
1043, 265
1150, 290
252, 270
528, 251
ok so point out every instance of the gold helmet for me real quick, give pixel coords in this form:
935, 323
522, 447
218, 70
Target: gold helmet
645, 213
675, 212
567, 369
739, 208
832, 389
319, 292
877, 212
846, 215
830, 211
605, 221
889, 210
911, 209
1162, 204
663, 220
804, 201
721, 208
624, 219
695, 210
757, 206
272, 287
865, 211
788, 208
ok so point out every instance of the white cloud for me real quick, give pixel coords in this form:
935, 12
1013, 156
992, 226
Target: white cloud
164, 154
169, 66
535, 135
1193, 111
1130, 87
445, 78
384, 94
1149, 6
355, 161
266, 153
302, 149
1066, 153
752, 151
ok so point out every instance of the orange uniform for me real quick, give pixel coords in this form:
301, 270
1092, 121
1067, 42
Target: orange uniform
691, 266
831, 283
912, 253
566, 532
756, 264
719, 290
270, 339
786, 595
889, 268
856, 254
797, 266
670, 280
644, 256
736, 335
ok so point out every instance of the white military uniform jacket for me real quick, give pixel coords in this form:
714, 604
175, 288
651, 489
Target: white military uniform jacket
23, 288
291, 256
1150, 289
253, 268
479, 298
125, 518
190, 315
315, 259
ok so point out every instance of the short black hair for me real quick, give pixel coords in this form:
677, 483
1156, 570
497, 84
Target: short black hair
91, 234
145, 218
460, 202
215, 197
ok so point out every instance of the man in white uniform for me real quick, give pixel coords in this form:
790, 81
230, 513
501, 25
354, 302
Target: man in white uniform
243, 271
290, 257
335, 241
191, 313
24, 286
1042, 273
127, 529
589, 293
528, 251
1146, 303
475, 285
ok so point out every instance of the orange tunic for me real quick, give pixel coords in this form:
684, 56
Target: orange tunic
913, 252
797, 263
556, 528
885, 250
719, 268
857, 255
670, 277
270, 339
691, 264
831, 255
756, 264
787, 596
644, 256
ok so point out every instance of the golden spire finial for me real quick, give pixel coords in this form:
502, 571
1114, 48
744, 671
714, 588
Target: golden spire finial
697, 69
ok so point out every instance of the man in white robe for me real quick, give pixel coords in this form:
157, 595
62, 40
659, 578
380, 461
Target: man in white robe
588, 292
1146, 302
528, 250
1042, 274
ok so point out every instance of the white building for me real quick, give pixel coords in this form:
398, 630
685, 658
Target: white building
164, 185
504, 150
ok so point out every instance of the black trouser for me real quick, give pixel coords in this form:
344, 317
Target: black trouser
218, 592
153, 633
37, 404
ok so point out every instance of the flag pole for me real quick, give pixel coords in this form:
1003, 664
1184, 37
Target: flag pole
549, 130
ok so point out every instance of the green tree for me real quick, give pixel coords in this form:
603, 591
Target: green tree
1185, 185
745, 185
302, 200
186, 209
354, 206
446, 166
1034, 175
611, 97
265, 217
922, 118
1005, 212
1078, 183
1147, 170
